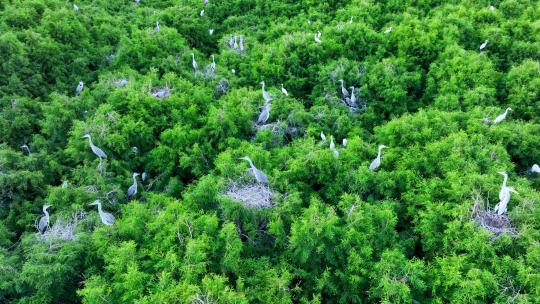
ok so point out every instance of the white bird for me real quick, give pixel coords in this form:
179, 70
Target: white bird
43, 223
332, 145
156, 28
502, 206
241, 44
233, 71
205, 2
344, 142
323, 137
211, 31
258, 174
284, 91
501, 117
336, 153
344, 91
503, 186
64, 184
132, 190
235, 43
97, 151
265, 114
201, 13
318, 37
194, 63
267, 96
350, 20
491, 8
535, 169
137, 1
483, 45
75, 7
106, 218
377, 161
79, 88
388, 30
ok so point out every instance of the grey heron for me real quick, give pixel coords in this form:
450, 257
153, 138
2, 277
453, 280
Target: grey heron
205, 2
535, 168
156, 27
43, 223
503, 187
344, 91
483, 45
502, 206
377, 161
501, 117
258, 174
194, 63
323, 138
120, 83
132, 190
265, 114
267, 96
106, 218
284, 91
352, 101
144, 176
97, 151
25, 149
79, 88
213, 64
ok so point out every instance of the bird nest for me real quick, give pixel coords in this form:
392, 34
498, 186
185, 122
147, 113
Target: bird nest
63, 230
490, 220
251, 195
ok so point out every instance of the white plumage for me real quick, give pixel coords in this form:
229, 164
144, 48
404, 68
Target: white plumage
377, 161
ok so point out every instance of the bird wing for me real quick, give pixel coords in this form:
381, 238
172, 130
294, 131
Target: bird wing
107, 218
99, 152
43, 223
375, 164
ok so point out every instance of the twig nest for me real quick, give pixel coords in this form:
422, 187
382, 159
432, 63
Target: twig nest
251, 195
495, 223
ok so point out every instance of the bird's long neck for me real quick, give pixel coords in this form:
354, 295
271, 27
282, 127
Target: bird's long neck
90, 140
380, 152
505, 180
46, 213
263, 86
134, 180
506, 112
251, 163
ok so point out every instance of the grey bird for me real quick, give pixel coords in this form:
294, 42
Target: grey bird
503, 186
132, 190
502, 206
79, 88
258, 174
25, 149
106, 218
43, 223
264, 115
344, 91
97, 151
194, 63
377, 161
266, 96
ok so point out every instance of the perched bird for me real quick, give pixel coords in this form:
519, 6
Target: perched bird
258, 174
201, 13
265, 114
323, 138
79, 88
75, 7
377, 161
336, 153
344, 142
483, 45
352, 101
344, 91
106, 218
284, 91
25, 149
535, 169
194, 63
213, 64
156, 27
120, 83
144, 176
132, 190
267, 96
503, 186
64, 184
491, 8
43, 223
241, 44
502, 206
501, 117
205, 2
97, 151
318, 37
388, 30
332, 145
210, 31
350, 20
233, 71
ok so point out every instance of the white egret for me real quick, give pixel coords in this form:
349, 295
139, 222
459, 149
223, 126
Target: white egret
201, 13
106, 218
75, 7
344, 142
491, 8
318, 37
211, 31
194, 63
79, 88
388, 30
284, 91
501, 117
377, 161
502, 206
503, 186
258, 174
483, 45
332, 145
535, 168
43, 223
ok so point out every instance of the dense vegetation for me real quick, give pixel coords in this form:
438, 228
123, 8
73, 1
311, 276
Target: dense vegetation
336, 231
